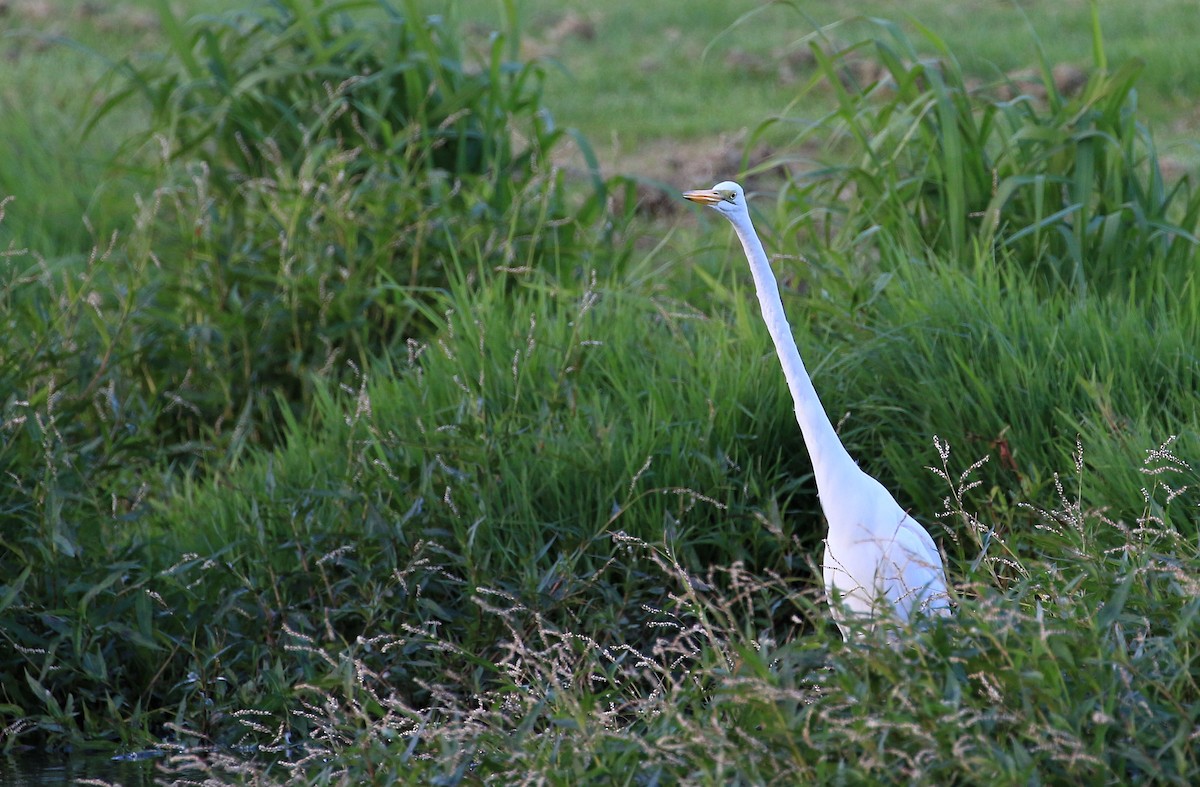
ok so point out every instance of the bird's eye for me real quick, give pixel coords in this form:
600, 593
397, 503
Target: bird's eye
731, 197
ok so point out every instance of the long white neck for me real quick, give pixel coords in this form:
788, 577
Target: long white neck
829, 457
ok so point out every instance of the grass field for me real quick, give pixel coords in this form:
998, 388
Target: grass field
367, 416
639, 73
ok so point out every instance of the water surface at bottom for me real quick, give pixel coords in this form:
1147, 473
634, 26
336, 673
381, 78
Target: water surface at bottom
30, 769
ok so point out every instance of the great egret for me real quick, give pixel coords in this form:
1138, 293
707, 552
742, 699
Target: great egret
879, 562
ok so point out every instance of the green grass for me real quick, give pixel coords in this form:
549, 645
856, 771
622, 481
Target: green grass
67, 194
649, 73
347, 460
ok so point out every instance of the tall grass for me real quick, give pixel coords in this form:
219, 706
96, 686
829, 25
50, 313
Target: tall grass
1069, 185
1070, 656
545, 516
493, 556
173, 348
983, 358
321, 165
1072, 311
64, 198
290, 77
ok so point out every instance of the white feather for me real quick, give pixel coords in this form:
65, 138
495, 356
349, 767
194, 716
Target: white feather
879, 562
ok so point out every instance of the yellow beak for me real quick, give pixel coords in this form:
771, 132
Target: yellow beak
704, 196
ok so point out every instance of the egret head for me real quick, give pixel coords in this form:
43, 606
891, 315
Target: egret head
726, 198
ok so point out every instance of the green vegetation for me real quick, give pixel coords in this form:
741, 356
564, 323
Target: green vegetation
1068, 186
368, 445
723, 67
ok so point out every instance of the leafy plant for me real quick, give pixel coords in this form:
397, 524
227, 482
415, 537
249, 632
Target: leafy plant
1070, 186
244, 281
302, 73
1081, 666
321, 165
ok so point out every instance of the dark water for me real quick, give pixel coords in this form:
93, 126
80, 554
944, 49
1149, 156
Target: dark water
27, 770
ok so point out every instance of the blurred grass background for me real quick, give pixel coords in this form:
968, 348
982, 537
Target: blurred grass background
632, 73
626, 75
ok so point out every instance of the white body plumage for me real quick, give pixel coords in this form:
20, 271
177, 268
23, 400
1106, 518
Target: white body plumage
879, 562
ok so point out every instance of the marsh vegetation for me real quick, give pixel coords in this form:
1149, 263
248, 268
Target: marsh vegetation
358, 423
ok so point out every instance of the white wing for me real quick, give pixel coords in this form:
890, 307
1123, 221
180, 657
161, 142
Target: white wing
879, 561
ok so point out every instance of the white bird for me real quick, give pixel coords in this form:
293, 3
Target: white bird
879, 563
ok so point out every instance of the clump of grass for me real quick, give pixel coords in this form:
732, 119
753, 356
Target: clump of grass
321, 166
1064, 674
175, 347
179, 343
471, 440
1069, 186
1023, 257
247, 88
1019, 376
